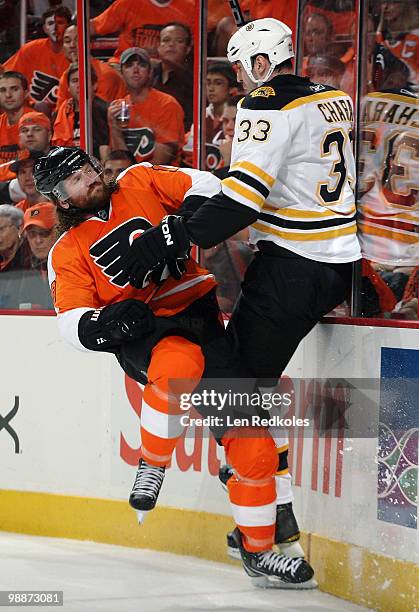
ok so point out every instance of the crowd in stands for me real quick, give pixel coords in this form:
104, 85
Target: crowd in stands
142, 110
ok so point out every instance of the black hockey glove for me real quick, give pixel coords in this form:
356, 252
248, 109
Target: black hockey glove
166, 243
107, 328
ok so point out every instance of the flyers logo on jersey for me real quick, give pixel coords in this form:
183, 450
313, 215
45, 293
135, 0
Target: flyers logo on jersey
108, 251
263, 92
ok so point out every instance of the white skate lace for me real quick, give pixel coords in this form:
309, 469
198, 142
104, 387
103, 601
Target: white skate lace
278, 563
148, 480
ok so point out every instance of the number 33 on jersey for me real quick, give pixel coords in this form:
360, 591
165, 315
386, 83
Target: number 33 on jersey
292, 160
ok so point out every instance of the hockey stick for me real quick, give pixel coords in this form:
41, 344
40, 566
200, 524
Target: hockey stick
237, 12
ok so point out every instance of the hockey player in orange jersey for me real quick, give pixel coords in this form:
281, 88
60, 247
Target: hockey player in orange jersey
166, 334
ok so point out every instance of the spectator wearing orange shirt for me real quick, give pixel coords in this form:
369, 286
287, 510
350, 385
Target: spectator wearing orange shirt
34, 134
154, 131
13, 99
42, 61
24, 171
140, 26
110, 84
67, 123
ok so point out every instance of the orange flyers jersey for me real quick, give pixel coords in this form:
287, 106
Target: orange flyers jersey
83, 264
110, 84
141, 27
41, 66
388, 209
158, 119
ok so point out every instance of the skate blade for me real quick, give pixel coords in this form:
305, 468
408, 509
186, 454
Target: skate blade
233, 553
141, 515
265, 582
291, 549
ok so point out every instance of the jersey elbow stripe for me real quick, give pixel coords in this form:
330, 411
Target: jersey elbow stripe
236, 191
250, 181
310, 215
258, 172
306, 224
305, 236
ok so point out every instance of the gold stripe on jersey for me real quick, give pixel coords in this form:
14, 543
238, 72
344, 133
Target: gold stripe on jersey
395, 97
246, 195
326, 95
307, 214
261, 174
392, 233
396, 217
304, 235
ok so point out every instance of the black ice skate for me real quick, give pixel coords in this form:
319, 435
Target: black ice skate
146, 488
272, 570
287, 532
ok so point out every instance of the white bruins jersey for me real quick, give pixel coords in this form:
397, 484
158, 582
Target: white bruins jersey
292, 161
389, 178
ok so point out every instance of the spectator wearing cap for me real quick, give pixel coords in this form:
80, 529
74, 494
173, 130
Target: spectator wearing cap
173, 73
115, 163
39, 228
13, 100
34, 137
110, 84
67, 124
42, 61
154, 131
24, 171
14, 252
139, 26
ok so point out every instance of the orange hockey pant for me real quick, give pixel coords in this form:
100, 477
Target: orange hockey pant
250, 451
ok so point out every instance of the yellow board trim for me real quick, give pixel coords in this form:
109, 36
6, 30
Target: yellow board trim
342, 569
305, 236
392, 234
269, 180
326, 95
243, 191
306, 214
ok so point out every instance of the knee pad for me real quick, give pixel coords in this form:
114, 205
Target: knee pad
175, 357
252, 454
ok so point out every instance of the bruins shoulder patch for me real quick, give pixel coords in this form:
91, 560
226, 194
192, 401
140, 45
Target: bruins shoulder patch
263, 92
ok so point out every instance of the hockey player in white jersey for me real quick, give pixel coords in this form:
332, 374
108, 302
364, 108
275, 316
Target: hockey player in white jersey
291, 180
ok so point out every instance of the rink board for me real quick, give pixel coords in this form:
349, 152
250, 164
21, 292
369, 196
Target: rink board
69, 443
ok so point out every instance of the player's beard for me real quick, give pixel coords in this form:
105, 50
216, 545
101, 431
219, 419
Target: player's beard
71, 217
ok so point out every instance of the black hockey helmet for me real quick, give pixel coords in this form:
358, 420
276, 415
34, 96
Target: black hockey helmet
60, 163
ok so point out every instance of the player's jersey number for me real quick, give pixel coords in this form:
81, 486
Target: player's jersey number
329, 192
256, 130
